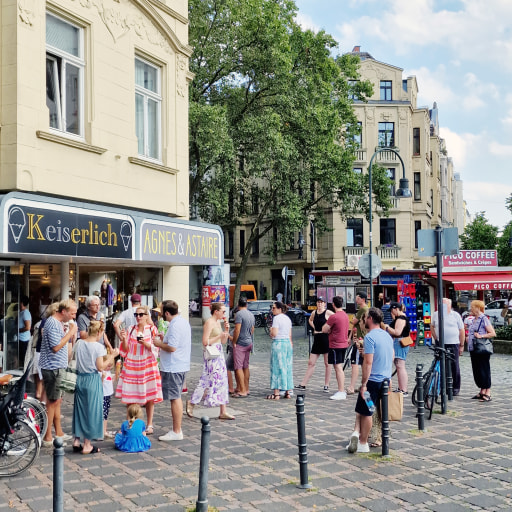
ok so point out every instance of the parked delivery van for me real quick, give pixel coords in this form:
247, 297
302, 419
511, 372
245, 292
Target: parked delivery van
246, 290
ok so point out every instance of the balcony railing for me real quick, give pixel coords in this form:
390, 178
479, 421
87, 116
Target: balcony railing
360, 155
388, 252
355, 251
387, 156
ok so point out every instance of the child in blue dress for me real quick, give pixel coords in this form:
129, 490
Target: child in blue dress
132, 437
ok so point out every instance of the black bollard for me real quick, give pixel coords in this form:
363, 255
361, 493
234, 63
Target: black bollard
303, 447
385, 418
420, 399
58, 475
448, 369
204, 460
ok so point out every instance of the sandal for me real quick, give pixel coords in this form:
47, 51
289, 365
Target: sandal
485, 398
95, 449
375, 445
300, 386
478, 396
350, 391
226, 416
78, 448
238, 395
149, 430
190, 409
273, 397
287, 395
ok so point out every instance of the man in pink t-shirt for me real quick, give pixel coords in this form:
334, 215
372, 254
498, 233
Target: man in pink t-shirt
337, 326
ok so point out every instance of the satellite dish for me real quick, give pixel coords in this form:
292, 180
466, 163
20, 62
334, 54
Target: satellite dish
364, 266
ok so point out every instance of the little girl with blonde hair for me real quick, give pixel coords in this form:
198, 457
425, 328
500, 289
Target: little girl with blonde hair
132, 437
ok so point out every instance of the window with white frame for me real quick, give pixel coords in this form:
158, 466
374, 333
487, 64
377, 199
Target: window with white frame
65, 75
148, 109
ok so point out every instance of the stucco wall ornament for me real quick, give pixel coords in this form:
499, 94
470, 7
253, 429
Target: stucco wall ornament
181, 74
120, 21
26, 13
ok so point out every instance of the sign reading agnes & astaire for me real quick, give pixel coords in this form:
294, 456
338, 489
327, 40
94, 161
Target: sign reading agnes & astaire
39, 228
172, 242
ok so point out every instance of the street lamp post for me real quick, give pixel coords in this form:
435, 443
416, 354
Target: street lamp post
403, 191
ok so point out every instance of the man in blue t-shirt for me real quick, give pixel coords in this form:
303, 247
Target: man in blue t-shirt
377, 364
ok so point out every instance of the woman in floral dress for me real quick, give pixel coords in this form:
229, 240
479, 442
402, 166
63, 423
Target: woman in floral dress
213, 384
139, 382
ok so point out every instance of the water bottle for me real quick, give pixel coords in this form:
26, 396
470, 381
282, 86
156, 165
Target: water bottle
369, 402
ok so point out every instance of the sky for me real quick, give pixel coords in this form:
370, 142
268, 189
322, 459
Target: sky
461, 54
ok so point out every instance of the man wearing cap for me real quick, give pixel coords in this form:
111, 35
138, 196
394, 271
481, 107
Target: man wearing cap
175, 363
357, 323
127, 317
92, 303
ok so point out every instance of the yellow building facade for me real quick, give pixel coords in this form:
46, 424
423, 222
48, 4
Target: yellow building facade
94, 153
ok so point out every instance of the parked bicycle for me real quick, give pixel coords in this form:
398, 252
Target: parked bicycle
20, 441
432, 381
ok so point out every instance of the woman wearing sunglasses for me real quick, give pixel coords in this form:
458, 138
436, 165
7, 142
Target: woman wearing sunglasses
139, 382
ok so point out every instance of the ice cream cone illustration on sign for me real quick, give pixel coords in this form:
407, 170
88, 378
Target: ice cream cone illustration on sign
126, 234
17, 222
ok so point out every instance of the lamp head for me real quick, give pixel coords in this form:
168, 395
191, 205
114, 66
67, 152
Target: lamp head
403, 190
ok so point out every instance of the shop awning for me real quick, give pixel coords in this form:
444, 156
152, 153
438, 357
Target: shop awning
478, 280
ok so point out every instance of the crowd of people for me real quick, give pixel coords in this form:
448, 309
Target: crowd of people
155, 356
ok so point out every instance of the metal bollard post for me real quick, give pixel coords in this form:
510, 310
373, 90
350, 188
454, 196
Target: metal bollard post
58, 475
448, 369
385, 418
303, 447
420, 399
204, 460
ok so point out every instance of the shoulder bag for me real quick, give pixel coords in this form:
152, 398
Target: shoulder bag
395, 406
482, 345
211, 352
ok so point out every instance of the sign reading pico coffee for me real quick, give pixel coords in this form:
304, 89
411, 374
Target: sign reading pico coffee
468, 258
40, 228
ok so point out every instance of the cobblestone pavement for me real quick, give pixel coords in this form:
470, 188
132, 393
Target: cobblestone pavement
462, 462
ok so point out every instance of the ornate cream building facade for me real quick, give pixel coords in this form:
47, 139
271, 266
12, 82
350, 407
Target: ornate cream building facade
390, 118
94, 153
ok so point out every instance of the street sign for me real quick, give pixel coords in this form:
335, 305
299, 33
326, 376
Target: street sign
427, 242
291, 272
284, 272
364, 266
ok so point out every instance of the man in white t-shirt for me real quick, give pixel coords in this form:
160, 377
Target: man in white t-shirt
175, 349
454, 337
127, 317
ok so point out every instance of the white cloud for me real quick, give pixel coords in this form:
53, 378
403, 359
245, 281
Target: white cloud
479, 31
460, 145
483, 196
500, 149
306, 22
432, 86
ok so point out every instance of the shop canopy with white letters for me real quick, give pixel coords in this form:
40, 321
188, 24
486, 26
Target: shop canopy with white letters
474, 278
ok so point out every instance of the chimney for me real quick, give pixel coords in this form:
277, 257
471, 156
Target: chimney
356, 49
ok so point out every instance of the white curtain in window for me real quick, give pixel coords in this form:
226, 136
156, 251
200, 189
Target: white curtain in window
139, 122
153, 124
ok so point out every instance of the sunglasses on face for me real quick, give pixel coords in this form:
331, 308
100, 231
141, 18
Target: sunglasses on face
139, 314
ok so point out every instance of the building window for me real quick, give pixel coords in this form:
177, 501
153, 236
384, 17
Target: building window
352, 95
242, 242
431, 201
417, 186
417, 227
65, 75
386, 135
391, 175
231, 244
416, 141
358, 170
148, 109
387, 232
385, 90
355, 232
256, 244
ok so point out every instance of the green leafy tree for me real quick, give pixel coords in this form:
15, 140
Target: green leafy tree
504, 251
271, 124
479, 234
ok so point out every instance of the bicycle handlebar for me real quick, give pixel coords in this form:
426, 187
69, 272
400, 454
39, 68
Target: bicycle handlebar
438, 350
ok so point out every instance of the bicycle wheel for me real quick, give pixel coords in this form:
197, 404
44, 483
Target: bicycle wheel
431, 393
415, 390
18, 450
257, 321
40, 411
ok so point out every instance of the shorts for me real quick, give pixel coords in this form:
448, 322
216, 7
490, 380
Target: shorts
106, 406
52, 382
353, 355
172, 384
336, 355
375, 390
241, 357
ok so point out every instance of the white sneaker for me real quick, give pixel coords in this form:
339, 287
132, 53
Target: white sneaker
363, 448
171, 436
339, 395
354, 442
65, 437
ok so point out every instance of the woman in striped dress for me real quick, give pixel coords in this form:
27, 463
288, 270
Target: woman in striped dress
139, 382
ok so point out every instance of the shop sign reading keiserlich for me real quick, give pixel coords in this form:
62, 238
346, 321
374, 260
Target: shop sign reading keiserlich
39, 228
